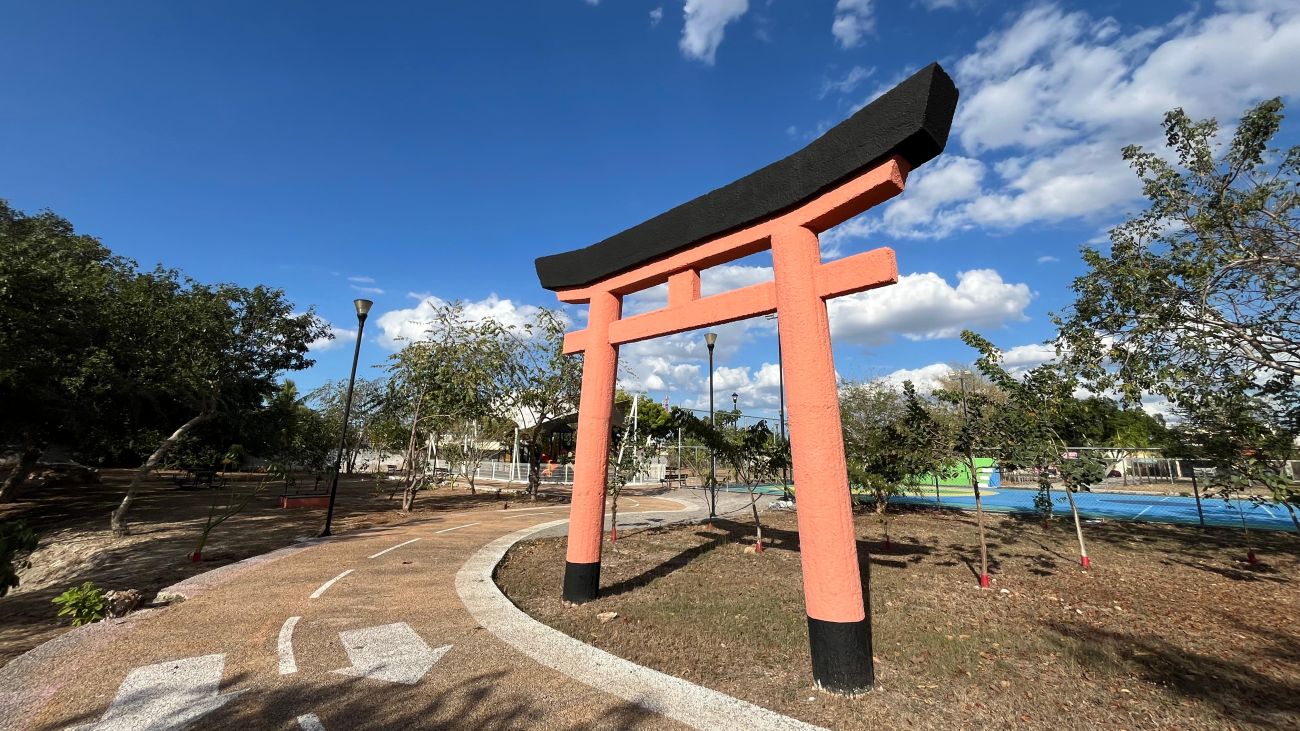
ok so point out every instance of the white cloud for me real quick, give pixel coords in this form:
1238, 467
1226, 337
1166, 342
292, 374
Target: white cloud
362, 280
921, 211
706, 23
854, 19
367, 290
656, 16
924, 306
1049, 100
846, 85
401, 325
926, 378
1024, 357
1046, 259
342, 335
1016, 360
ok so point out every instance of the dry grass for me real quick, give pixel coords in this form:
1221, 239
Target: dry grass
1172, 629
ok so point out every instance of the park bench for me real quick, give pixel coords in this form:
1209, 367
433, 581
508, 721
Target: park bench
199, 477
298, 494
673, 477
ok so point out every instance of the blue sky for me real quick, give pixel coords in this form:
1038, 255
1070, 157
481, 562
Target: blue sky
411, 150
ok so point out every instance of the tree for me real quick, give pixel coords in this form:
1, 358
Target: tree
753, 454
540, 384
1035, 403
205, 348
56, 288
980, 427
1196, 299
457, 375
1240, 436
892, 437
368, 396
626, 462
1203, 281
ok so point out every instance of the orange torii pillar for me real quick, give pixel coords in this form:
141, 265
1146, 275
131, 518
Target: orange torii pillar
782, 207
839, 627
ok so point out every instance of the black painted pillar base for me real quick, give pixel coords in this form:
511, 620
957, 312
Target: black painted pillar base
581, 582
841, 655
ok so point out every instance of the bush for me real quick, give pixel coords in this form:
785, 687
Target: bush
85, 604
15, 538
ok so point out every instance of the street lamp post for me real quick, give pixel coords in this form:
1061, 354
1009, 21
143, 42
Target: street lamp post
710, 339
734, 398
780, 376
363, 309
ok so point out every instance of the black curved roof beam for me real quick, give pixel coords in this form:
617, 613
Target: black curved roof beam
911, 120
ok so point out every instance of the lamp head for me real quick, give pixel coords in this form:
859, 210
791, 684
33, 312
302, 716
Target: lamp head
710, 339
363, 307
734, 398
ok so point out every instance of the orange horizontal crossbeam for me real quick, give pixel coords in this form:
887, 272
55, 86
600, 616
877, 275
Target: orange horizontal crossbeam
856, 273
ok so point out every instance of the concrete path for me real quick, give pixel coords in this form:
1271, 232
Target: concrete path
360, 631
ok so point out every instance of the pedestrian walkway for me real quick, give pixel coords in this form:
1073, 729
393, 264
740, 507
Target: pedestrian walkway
360, 631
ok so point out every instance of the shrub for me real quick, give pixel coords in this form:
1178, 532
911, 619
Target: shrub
15, 539
85, 604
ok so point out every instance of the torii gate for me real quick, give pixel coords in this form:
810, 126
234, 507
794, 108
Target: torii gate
783, 207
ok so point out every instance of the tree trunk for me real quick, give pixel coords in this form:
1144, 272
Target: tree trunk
118, 520
613, 520
758, 524
534, 470
1078, 529
979, 519
408, 495
17, 480
1291, 510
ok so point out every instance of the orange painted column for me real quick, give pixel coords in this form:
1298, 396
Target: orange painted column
839, 628
591, 460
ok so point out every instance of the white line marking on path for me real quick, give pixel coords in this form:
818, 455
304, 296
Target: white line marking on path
448, 530
284, 646
1139, 515
392, 652
309, 722
168, 695
1266, 510
394, 548
316, 594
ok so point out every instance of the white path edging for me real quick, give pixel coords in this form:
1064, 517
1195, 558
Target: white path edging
680, 700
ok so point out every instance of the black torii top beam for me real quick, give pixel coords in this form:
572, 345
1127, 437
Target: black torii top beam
911, 120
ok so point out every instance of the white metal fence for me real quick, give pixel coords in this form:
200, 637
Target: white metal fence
552, 474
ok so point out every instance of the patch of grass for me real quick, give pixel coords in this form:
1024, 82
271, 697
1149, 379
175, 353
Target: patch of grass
1172, 628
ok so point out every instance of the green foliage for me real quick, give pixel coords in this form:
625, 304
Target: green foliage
102, 355
1196, 300
84, 604
891, 437
15, 539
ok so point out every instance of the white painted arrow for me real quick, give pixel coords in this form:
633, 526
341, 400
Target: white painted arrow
392, 652
169, 695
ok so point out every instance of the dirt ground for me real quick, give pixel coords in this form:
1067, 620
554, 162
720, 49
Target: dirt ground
1172, 629
76, 545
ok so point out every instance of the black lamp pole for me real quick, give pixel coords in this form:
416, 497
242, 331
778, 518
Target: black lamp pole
363, 309
710, 339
